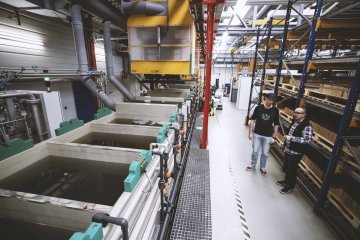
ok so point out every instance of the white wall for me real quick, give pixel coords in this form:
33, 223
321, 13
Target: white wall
223, 72
36, 42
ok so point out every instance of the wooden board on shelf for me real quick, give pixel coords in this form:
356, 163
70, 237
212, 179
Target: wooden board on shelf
309, 173
327, 97
289, 87
346, 212
324, 142
285, 116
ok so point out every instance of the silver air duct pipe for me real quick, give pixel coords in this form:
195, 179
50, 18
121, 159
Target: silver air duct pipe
78, 30
143, 7
110, 65
104, 10
34, 105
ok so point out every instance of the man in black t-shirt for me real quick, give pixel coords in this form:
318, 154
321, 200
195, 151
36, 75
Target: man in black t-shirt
266, 121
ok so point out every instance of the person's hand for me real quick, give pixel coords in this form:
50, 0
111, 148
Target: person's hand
250, 136
288, 138
272, 140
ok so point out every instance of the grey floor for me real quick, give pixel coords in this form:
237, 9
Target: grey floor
267, 213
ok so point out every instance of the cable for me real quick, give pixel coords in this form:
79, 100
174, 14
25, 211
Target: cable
151, 185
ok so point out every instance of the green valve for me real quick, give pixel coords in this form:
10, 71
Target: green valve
94, 232
47, 79
68, 126
102, 112
162, 133
146, 157
14, 146
174, 117
135, 170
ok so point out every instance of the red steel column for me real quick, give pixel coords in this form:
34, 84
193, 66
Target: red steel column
209, 45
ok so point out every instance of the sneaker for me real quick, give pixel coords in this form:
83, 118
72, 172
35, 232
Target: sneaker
286, 190
249, 168
281, 183
263, 171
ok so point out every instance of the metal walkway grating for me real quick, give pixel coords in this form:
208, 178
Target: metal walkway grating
193, 215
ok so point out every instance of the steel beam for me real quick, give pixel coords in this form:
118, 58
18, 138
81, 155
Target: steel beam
254, 16
283, 45
209, 46
309, 52
253, 76
265, 59
299, 19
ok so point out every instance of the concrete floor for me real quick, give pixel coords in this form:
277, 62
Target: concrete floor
267, 213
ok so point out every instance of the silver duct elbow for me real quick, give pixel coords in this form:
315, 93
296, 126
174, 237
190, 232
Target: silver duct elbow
78, 30
110, 64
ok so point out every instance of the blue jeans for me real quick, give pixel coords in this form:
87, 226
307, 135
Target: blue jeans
262, 142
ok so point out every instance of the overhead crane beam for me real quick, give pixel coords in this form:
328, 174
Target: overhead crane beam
260, 22
337, 24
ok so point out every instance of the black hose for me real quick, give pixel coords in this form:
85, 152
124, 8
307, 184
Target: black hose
105, 218
161, 184
175, 145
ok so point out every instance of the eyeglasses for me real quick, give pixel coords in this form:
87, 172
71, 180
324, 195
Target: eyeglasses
298, 112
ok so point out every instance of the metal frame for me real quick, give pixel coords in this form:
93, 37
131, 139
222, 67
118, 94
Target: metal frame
209, 46
337, 149
265, 59
283, 45
253, 76
309, 52
355, 156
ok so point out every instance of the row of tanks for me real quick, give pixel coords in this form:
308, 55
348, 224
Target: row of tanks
108, 179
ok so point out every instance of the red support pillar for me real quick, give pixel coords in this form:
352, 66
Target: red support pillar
209, 45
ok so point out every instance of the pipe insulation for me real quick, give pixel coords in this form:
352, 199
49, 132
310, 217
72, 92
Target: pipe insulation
143, 7
110, 64
79, 39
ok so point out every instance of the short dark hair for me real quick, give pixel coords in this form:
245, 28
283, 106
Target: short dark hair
270, 96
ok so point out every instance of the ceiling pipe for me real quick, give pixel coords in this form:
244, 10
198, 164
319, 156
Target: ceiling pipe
105, 10
143, 7
110, 64
263, 10
79, 39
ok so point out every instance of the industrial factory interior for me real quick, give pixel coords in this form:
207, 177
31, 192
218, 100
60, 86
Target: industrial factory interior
179, 119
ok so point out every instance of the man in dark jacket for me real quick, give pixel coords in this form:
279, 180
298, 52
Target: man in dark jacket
297, 141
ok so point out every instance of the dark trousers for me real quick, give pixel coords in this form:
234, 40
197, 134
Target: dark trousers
290, 168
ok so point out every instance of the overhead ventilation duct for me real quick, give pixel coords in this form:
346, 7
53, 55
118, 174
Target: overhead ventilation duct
144, 7
104, 10
49, 4
78, 30
109, 62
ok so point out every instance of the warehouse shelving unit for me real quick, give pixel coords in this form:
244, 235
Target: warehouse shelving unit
267, 29
328, 85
